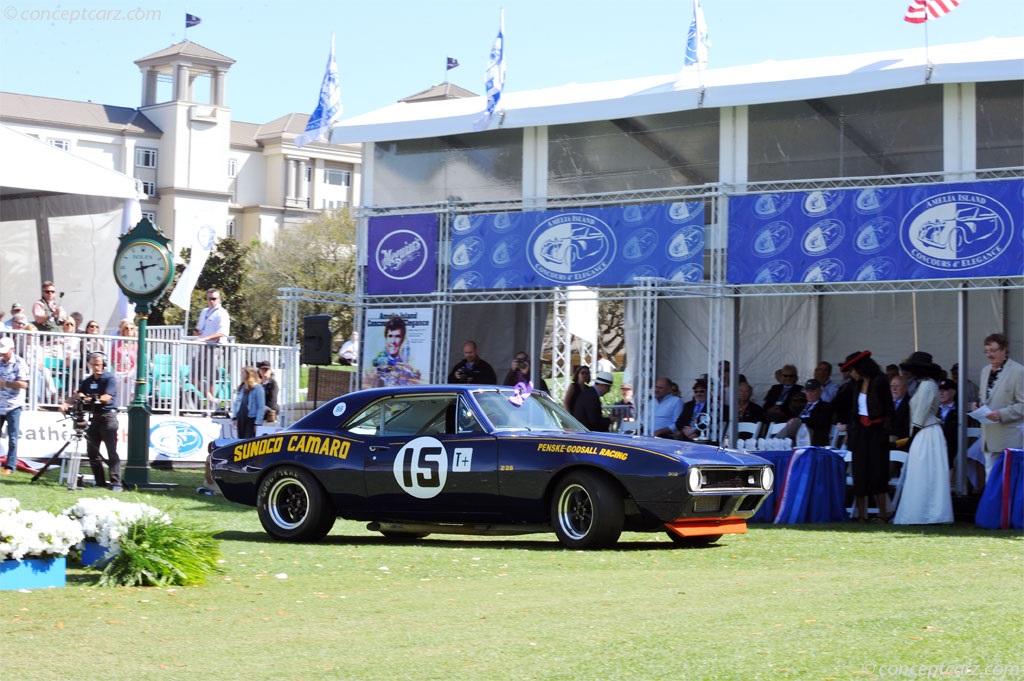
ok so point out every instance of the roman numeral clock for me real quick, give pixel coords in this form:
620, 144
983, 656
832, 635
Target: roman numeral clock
143, 269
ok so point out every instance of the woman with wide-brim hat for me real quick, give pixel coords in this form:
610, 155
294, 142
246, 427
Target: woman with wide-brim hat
926, 497
867, 437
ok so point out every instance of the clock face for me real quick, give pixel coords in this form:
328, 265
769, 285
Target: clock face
142, 268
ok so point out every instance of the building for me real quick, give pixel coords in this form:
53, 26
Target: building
197, 166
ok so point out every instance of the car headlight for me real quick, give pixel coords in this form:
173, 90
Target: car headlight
693, 479
767, 478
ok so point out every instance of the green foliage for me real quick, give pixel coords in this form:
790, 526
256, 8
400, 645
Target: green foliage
225, 269
319, 255
155, 553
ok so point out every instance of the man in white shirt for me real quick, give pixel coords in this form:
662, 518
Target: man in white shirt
214, 324
213, 328
667, 408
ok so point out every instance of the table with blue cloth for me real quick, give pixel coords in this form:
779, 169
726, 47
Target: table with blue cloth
813, 490
780, 462
1002, 503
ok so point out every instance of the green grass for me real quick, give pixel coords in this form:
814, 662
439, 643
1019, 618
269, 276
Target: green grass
801, 602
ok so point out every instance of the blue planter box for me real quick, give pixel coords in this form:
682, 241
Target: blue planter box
93, 552
33, 573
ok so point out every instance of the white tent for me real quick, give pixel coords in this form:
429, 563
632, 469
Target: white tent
61, 216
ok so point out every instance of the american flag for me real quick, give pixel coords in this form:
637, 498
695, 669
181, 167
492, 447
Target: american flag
921, 11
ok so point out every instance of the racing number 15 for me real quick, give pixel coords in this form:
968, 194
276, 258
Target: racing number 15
424, 463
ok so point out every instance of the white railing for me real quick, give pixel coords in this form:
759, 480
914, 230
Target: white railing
182, 376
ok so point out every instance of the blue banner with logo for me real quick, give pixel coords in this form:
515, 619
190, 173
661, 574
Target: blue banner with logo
403, 254
588, 247
944, 231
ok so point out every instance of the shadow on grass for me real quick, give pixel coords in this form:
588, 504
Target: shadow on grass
958, 529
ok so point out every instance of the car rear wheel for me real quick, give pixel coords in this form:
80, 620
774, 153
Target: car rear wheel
587, 511
692, 542
293, 506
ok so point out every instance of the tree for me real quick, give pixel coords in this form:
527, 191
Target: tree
225, 269
319, 255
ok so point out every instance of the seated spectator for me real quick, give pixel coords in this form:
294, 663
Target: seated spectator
778, 402
899, 424
823, 375
667, 408
689, 426
587, 408
892, 370
348, 355
816, 414
948, 417
520, 372
970, 389
626, 391
747, 411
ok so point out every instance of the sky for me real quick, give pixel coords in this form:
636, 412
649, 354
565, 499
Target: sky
389, 49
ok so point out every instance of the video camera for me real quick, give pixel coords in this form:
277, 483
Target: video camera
79, 414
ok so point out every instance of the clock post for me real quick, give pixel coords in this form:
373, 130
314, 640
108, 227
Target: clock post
143, 269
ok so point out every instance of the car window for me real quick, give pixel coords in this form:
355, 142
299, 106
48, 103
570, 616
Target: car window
407, 415
505, 410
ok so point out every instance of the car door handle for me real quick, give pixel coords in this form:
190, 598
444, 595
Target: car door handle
375, 448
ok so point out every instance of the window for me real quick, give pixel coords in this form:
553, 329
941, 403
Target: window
341, 178
149, 216
145, 158
231, 229
232, 167
63, 145
149, 188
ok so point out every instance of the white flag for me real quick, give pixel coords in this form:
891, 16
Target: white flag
202, 244
697, 42
494, 76
328, 109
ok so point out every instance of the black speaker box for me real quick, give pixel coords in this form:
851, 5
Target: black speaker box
316, 339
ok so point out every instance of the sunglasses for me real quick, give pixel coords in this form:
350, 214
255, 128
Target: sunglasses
214, 298
49, 291
789, 375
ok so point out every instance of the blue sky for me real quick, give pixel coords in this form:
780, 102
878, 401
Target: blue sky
389, 49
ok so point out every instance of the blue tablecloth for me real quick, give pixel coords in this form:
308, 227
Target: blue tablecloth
814, 488
780, 461
1002, 503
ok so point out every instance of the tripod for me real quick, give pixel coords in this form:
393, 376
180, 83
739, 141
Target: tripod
74, 461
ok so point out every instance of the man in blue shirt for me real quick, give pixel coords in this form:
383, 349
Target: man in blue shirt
98, 391
14, 373
667, 408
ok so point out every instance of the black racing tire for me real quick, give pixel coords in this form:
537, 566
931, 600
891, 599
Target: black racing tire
692, 542
587, 511
293, 506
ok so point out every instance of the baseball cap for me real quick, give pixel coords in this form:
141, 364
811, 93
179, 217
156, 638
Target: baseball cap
947, 385
812, 384
16, 306
6, 344
263, 364
604, 378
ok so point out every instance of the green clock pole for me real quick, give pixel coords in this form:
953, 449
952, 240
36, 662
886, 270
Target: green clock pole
136, 471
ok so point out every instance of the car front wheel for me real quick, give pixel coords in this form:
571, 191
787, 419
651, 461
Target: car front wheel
293, 506
587, 511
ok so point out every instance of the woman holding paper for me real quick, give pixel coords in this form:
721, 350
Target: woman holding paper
1001, 410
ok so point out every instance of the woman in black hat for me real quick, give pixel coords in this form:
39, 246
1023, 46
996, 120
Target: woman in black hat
925, 498
867, 438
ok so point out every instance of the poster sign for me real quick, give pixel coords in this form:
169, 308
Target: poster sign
940, 231
402, 254
396, 347
612, 246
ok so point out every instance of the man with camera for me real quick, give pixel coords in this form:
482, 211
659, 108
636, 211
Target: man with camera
520, 372
97, 393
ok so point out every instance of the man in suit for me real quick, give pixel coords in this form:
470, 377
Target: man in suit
587, 408
778, 403
948, 416
688, 425
816, 414
1002, 391
899, 424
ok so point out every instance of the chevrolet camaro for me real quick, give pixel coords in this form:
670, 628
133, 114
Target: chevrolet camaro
483, 460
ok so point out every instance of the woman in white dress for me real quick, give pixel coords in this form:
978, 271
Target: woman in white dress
925, 499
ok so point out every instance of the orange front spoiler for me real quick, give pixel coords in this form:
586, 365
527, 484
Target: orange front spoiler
699, 527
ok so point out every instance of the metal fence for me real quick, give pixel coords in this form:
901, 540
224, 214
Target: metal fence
183, 377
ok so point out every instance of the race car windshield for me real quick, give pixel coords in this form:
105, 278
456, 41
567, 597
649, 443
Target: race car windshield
506, 411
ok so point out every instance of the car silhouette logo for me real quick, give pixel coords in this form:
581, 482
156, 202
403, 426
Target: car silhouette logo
571, 248
956, 231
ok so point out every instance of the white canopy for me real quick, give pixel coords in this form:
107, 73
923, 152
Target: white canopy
992, 59
61, 217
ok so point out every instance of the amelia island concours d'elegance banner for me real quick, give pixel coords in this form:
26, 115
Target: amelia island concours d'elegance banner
611, 246
941, 231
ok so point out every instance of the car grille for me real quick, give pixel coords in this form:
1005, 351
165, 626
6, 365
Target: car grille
707, 504
731, 478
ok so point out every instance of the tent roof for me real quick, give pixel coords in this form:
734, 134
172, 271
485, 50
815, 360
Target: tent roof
44, 171
992, 59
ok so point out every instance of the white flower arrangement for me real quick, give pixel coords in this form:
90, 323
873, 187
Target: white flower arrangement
105, 520
35, 534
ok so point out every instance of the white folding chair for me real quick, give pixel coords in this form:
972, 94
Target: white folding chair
747, 429
774, 428
836, 437
900, 457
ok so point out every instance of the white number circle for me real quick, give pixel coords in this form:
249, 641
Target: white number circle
421, 467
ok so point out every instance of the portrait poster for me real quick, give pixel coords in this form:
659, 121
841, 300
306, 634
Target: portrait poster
396, 347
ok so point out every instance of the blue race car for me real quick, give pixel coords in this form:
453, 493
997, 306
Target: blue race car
483, 460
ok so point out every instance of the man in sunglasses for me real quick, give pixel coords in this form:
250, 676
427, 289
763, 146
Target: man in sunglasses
47, 312
778, 403
213, 328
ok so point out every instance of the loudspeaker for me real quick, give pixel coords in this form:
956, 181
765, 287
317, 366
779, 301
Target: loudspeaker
316, 339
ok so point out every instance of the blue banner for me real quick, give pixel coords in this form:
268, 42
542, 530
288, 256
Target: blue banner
587, 247
403, 254
945, 231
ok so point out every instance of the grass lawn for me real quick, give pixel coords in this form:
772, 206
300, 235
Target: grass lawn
797, 602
